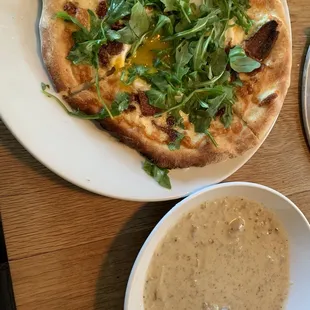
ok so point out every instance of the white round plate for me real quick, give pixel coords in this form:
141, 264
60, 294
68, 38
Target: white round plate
294, 221
75, 149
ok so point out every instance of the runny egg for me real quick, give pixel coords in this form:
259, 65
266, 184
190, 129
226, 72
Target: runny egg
146, 53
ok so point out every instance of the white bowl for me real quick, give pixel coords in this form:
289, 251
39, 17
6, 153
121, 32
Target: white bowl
294, 221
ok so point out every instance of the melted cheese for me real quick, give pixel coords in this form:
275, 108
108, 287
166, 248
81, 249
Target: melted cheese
234, 35
118, 61
266, 93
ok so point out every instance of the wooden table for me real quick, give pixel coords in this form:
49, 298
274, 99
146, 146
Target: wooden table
71, 249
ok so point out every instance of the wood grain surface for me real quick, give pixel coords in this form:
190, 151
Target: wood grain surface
71, 249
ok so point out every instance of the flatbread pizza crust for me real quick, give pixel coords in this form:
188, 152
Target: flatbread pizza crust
142, 134
252, 117
261, 98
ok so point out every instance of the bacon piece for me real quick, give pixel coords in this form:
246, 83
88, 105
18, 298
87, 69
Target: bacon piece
146, 108
170, 121
70, 8
261, 43
108, 50
103, 56
102, 9
133, 97
268, 99
130, 108
114, 48
220, 112
172, 134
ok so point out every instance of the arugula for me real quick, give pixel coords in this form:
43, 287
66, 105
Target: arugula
240, 62
117, 10
120, 104
65, 16
226, 118
132, 73
199, 26
170, 5
160, 175
139, 21
239, 8
175, 145
156, 98
137, 28
218, 61
75, 113
163, 23
182, 58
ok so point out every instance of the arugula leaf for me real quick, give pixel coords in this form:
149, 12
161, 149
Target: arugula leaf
158, 80
182, 55
117, 10
65, 16
182, 58
112, 35
170, 5
198, 54
227, 117
175, 145
201, 120
76, 113
127, 77
199, 26
156, 98
163, 23
120, 103
127, 35
180, 71
218, 61
182, 25
160, 175
179, 121
207, 132
215, 104
86, 52
239, 9
240, 62
95, 25
139, 21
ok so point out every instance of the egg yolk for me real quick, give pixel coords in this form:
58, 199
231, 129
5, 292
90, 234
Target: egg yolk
146, 53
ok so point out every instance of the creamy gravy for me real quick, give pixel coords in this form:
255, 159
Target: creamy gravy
230, 253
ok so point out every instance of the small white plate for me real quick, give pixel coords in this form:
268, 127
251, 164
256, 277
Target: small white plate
294, 221
75, 149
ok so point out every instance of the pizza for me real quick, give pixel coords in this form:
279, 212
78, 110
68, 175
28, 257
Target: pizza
184, 83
